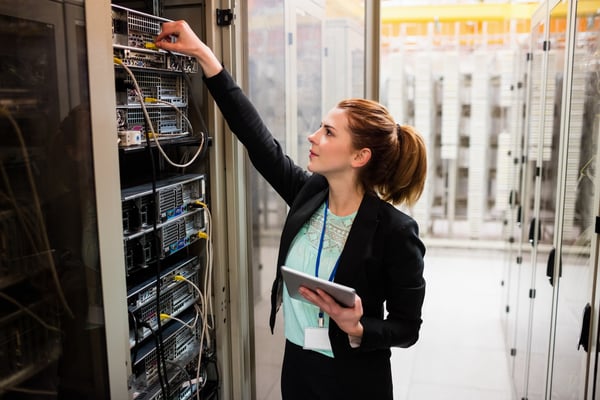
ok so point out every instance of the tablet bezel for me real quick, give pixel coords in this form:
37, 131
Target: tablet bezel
344, 295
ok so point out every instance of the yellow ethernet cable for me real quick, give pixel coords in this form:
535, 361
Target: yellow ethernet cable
181, 278
155, 136
199, 203
167, 316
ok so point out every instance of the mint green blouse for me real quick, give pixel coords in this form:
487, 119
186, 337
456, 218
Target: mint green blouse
302, 256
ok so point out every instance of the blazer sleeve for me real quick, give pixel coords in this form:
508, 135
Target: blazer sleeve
403, 288
264, 151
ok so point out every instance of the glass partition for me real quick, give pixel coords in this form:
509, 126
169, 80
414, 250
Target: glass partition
543, 151
536, 145
303, 58
574, 260
52, 337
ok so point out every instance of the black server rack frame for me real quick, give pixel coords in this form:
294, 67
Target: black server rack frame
166, 217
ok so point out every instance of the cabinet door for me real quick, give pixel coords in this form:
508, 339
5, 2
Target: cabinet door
545, 207
571, 271
535, 304
52, 334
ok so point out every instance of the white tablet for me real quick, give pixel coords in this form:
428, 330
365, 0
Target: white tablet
294, 279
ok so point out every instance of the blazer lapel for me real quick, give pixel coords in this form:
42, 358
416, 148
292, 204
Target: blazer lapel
296, 218
359, 239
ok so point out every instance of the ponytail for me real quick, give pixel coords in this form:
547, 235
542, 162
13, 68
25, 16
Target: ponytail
398, 164
407, 180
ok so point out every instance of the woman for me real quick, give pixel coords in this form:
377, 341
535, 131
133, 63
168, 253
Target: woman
340, 226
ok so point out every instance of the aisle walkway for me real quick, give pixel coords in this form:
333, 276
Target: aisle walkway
460, 354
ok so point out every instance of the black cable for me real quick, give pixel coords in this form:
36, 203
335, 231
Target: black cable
204, 143
185, 372
213, 360
159, 370
136, 337
204, 131
204, 128
160, 352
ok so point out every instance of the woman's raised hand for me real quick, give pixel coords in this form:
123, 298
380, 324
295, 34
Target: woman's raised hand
178, 36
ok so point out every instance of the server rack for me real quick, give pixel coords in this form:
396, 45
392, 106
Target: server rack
50, 292
166, 218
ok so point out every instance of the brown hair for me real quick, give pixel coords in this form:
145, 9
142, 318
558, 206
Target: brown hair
398, 164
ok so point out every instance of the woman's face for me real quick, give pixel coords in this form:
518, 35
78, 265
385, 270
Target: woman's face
331, 150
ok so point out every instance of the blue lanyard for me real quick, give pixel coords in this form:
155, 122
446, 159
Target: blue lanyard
335, 267
318, 263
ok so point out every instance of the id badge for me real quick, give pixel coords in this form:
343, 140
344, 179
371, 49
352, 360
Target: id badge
316, 339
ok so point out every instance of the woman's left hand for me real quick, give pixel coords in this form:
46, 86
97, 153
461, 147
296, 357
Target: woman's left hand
347, 318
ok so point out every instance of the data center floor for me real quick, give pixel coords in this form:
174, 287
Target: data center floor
461, 353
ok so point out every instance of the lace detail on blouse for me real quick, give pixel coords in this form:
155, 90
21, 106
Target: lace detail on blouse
336, 231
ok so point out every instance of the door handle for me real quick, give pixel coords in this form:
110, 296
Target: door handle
513, 198
532, 238
584, 337
550, 266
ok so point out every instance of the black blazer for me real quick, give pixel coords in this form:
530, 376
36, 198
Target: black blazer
383, 255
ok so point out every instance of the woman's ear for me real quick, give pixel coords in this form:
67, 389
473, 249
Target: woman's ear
361, 157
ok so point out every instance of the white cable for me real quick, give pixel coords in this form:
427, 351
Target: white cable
178, 110
200, 295
158, 145
138, 93
207, 306
191, 326
209, 267
207, 300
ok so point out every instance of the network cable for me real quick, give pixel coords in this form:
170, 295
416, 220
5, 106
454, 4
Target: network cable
185, 372
161, 367
207, 307
191, 326
158, 335
177, 109
150, 131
